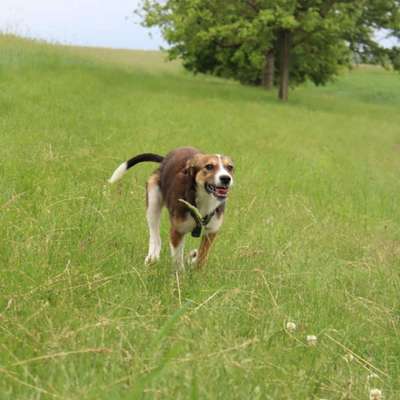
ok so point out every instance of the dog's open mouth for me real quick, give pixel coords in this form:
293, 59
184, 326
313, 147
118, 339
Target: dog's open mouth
220, 192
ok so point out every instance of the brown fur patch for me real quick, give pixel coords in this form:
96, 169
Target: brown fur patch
175, 182
175, 237
205, 245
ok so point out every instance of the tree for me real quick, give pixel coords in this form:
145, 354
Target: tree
268, 42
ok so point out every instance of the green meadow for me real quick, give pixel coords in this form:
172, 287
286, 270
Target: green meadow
311, 234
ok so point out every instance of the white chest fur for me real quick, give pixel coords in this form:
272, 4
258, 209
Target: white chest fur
206, 203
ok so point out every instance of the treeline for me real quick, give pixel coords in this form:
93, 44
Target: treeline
272, 43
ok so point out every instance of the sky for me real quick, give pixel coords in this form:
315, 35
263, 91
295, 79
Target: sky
103, 23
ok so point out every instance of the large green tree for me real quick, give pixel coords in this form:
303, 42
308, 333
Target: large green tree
268, 42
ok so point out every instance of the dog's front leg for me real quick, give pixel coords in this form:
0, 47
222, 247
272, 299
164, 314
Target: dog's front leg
177, 243
205, 245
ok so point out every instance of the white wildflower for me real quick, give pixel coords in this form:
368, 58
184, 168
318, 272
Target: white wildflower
375, 394
312, 340
291, 326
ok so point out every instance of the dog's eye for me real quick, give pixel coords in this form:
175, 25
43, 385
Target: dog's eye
209, 167
229, 168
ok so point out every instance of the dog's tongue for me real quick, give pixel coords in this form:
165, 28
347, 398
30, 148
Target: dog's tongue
221, 191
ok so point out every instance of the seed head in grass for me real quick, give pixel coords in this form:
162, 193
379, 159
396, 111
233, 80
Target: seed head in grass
291, 326
375, 394
312, 340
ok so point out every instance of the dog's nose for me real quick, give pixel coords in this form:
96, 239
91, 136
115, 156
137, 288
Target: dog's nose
225, 179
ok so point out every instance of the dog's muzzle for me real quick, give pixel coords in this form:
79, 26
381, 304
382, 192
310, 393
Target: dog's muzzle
220, 192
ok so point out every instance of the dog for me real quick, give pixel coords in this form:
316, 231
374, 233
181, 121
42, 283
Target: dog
201, 180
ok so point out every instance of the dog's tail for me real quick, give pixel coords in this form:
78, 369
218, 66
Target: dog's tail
121, 170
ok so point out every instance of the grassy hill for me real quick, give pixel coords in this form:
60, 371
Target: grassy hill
311, 235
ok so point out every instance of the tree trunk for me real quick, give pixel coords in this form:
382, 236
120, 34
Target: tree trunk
285, 38
269, 70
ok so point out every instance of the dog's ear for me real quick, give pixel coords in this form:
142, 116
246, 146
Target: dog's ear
191, 167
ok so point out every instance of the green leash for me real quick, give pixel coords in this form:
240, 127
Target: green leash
199, 219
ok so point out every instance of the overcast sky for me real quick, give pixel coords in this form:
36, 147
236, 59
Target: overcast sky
106, 23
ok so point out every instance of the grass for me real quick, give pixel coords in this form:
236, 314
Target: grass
311, 235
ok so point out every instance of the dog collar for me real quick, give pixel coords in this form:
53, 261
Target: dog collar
200, 222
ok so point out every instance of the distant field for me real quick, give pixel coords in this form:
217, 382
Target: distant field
311, 235
151, 61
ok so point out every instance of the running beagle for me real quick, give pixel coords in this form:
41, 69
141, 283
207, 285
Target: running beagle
203, 180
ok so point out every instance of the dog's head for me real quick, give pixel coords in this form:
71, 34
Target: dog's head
213, 172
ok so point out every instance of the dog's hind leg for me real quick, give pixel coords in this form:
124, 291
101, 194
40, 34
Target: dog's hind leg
153, 214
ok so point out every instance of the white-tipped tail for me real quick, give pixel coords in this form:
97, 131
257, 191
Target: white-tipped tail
119, 172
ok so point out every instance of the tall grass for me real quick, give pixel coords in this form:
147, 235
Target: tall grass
311, 234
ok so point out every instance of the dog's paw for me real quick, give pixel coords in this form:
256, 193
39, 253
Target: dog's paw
192, 257
151, 259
